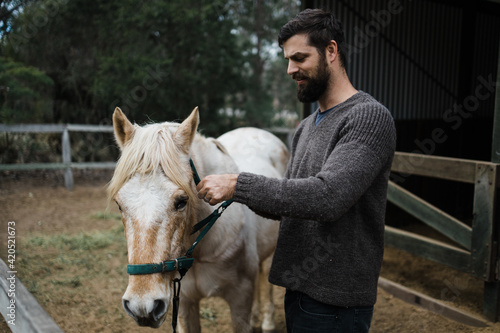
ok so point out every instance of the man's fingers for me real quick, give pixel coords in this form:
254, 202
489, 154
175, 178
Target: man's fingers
204, 191
216, 188
200, 188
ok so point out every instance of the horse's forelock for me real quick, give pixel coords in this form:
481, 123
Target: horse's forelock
152, 147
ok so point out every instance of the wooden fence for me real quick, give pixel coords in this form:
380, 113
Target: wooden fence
19, 308
477, 249
66, 164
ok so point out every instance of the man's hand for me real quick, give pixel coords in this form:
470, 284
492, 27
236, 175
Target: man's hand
217, 188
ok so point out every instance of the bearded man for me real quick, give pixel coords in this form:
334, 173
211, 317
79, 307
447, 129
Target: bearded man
332, 200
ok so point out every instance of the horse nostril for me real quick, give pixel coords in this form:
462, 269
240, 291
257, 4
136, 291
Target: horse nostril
127, 309
159, 309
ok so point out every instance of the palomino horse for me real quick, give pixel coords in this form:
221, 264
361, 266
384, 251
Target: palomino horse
155, 192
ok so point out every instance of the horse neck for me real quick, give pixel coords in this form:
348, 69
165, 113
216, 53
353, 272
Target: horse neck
210, 157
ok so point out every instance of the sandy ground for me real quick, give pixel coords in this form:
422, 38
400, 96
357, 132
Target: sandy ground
40, 205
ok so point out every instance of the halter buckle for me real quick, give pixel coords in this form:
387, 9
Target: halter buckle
221, 209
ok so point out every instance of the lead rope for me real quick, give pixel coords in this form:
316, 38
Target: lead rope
175, 303
205, 224
176, 299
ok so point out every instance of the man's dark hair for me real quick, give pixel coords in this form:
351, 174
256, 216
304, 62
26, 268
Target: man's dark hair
320, 26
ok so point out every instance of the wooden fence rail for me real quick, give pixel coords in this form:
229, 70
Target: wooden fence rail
19, 308
477, 247
66, 164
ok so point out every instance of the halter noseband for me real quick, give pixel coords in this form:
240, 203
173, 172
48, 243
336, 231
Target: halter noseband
178, 264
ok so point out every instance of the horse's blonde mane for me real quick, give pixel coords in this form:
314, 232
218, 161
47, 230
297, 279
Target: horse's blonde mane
151, 148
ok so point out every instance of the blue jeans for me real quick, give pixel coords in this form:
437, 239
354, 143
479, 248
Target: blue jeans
306, 315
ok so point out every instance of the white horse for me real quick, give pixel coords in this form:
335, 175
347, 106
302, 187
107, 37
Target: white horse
155, 192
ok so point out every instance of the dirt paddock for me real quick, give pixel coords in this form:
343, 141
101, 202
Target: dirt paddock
71, 255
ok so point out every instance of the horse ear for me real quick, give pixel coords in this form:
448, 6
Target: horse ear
184, 135
123, 128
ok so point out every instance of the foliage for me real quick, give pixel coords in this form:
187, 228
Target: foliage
8, 10
25, 93
266, 90
29, 148
156, 60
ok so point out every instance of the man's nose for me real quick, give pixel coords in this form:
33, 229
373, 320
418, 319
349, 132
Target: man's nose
292, 68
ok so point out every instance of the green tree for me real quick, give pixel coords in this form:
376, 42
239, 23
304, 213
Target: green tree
183, 55
8, 10
156, 59
267, 85
25, 93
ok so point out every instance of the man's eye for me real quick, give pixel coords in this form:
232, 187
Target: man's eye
299, 59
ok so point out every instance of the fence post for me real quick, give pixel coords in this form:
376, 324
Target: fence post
492, 289
495, 151
484, 240
66, 156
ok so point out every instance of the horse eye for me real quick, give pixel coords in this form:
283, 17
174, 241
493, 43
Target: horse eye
180, 203
119, 207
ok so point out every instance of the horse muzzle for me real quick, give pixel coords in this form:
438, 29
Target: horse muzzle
150, 313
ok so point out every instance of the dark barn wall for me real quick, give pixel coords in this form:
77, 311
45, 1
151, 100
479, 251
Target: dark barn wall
433, 64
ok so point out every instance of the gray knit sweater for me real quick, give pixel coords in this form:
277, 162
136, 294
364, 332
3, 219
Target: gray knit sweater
331, 203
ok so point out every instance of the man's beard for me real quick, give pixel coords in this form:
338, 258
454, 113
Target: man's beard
315, 86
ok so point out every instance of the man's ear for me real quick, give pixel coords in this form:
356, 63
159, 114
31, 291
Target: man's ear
331, 51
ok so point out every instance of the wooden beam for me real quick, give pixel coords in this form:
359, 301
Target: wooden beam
484, 262
28, 315
66, 157
56, 166
32, 128
495, 147
90, 128
492, 289
483, 223
435, 166
31, 166
430, 215
93, 165
54, 128
429, 248
415, 298
491, 299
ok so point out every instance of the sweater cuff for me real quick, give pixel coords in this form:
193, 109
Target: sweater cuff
242, 191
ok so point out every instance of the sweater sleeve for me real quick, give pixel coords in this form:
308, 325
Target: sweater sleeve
366, 143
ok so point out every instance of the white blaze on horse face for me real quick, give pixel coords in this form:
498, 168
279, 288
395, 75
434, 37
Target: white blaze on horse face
143, 200
154, 232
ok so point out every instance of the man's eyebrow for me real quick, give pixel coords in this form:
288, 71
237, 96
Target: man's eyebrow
297, 55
